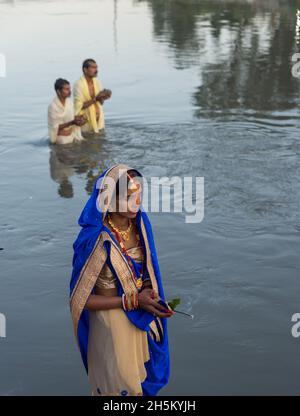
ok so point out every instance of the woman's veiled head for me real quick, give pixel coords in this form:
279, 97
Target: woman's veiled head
121, 191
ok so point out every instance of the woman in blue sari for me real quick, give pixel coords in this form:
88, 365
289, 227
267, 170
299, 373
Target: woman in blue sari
115, 289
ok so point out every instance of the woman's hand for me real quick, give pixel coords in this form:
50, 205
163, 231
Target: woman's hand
147, 301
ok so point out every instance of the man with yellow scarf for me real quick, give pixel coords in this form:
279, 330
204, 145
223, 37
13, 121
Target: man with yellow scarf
89, 95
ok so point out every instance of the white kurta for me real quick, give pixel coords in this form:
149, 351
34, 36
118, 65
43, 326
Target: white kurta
60, 114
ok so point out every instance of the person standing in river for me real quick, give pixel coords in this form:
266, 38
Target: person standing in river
89, 96
119, 324
63, 126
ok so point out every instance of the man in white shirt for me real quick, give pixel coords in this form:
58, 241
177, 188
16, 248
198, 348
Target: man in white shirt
63, 126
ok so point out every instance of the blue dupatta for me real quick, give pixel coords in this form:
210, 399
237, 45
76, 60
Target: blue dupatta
91, 221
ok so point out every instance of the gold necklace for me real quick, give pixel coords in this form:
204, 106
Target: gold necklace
123, 233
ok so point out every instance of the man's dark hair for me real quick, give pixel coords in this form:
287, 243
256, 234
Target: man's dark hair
60, 83
87, 63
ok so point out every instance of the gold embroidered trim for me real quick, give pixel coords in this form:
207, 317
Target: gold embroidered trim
121, 266
149, 257
90, 272
151, 272
160, 324
86, 281
153, 326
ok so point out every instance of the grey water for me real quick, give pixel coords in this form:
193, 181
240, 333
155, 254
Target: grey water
200, 88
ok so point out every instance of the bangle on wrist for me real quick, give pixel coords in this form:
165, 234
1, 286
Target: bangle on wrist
130, 301
123, 305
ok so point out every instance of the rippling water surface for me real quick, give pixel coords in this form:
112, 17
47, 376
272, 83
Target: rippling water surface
200, 88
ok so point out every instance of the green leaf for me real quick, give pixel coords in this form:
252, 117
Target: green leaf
173, 303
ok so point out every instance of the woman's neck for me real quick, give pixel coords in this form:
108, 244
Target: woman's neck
119, 220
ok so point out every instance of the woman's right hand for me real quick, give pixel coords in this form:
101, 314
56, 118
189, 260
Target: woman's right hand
149, 304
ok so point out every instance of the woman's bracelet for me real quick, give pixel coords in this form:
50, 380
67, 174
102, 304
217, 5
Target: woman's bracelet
123, 299
130, 301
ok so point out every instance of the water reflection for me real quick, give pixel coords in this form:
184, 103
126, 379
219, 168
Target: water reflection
243, 51
84, 159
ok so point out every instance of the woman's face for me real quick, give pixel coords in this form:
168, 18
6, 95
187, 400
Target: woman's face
129, 205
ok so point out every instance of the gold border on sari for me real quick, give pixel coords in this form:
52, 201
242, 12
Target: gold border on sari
91, 270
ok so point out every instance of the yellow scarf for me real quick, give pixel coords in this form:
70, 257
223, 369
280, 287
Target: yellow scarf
81, 95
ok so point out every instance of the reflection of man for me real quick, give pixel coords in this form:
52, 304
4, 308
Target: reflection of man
61, 170
63, 126
89, 96
67, 161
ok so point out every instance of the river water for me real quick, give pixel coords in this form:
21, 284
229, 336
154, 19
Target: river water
200, 88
